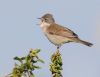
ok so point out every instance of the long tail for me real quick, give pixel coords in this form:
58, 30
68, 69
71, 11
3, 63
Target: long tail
85, 43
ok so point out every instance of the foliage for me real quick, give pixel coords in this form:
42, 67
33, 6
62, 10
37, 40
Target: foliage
56, 64
27, 65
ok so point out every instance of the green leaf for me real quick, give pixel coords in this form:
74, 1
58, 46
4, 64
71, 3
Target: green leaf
22, 58
37, 67
40, 60
17, 58
37, 50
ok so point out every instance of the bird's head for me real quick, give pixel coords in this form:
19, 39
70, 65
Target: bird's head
47, 18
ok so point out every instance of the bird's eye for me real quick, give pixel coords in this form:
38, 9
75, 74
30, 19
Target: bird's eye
46, 19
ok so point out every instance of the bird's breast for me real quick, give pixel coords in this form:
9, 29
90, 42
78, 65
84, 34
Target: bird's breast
57, 40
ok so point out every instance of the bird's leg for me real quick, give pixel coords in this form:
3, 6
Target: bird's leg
58, 48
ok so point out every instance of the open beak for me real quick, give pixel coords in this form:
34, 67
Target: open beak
40, 22
38, 18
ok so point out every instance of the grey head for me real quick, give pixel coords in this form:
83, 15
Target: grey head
48, 18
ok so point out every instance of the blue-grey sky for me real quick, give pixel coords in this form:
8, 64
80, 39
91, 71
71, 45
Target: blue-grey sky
19, 33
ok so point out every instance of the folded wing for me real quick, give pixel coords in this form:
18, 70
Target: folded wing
56, 29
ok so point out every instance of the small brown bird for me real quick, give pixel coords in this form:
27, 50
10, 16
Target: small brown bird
57, 34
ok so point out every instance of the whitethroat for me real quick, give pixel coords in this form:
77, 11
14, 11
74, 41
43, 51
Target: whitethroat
57, 34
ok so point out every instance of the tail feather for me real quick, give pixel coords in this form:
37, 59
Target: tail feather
86, 43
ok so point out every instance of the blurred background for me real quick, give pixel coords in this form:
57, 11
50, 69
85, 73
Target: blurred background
19, 33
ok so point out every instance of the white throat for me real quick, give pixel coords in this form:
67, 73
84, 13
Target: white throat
44, 26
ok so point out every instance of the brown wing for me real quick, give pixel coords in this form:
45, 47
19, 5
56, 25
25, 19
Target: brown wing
56, 29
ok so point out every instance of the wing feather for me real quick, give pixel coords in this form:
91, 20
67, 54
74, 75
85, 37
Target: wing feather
56, 29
